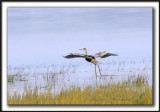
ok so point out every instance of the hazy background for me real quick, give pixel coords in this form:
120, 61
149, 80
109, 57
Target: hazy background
43, 35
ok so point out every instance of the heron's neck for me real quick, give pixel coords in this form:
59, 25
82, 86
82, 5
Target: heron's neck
85, 53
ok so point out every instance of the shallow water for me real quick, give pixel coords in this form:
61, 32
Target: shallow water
65, 76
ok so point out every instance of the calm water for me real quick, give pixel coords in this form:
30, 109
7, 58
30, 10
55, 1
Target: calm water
82, 75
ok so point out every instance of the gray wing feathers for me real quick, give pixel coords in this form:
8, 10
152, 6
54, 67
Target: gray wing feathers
108, 54
74, 55
104, 54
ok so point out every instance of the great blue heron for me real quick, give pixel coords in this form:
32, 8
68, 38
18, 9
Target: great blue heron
91, 58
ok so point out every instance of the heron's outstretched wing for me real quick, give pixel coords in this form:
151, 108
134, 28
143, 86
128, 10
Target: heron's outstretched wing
75, 55
104, 55
108, 54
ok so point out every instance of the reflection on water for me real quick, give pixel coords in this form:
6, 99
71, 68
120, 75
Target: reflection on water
58, 77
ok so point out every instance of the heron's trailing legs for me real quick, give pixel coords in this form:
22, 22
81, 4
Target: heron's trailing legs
99, 70
95, 71
96, 74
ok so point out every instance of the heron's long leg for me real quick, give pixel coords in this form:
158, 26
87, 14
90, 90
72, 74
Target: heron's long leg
96, 74
99, 71
95, 71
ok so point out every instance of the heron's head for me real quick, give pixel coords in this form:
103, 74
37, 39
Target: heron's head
84, 49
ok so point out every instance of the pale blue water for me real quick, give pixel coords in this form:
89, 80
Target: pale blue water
81, 75
43, 35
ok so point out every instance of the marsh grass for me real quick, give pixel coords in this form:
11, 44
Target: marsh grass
20, 73
135, 91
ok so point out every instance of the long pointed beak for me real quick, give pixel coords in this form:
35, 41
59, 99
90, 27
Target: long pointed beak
80, 49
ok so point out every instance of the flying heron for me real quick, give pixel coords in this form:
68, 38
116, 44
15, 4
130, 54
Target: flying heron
91, 58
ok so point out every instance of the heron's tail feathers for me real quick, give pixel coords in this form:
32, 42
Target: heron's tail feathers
96, 62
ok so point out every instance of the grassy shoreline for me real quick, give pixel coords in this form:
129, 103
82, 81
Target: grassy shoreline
126, 92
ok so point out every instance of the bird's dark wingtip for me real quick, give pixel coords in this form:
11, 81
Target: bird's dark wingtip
113, 54
64, 56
